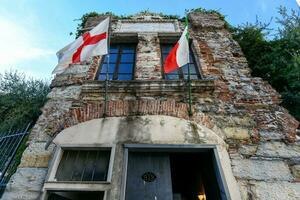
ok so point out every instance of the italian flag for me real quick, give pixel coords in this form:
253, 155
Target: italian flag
179, 55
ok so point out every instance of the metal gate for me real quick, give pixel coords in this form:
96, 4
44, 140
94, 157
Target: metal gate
9, 146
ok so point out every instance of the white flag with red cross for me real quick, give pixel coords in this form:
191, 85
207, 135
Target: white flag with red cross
92, 43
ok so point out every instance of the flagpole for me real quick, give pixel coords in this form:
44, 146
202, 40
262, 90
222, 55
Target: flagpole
107, 70
190, 91
189, 75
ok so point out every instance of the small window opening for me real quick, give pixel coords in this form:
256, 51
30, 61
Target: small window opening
83, 165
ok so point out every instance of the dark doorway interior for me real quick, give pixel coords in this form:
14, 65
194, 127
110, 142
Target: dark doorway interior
172, 175
75, 195
193, 177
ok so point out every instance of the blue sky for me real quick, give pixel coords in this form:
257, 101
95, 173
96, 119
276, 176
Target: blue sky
31, 31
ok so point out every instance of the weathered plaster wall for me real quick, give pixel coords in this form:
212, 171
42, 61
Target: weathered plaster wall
151, 129
242, 110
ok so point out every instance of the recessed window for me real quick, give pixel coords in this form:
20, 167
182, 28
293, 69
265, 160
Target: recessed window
83, 165
79, 173
181, 73
121, 63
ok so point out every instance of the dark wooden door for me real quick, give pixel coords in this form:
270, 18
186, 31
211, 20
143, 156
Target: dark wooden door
148, 177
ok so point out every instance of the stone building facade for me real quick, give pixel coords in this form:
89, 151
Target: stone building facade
235, 116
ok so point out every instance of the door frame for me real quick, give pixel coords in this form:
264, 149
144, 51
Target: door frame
176, 148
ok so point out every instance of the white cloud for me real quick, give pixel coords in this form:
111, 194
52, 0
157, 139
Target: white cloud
18, 44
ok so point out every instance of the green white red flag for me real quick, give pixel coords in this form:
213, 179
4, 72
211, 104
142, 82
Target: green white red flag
91, 43
179, 55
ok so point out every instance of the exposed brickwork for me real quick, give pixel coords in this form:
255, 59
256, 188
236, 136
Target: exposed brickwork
93, 69
87, 111
208, 58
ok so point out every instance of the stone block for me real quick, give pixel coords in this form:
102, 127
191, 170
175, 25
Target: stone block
270, 135
261, 170
204, 20
275, 190
237, 133
296, 171
71, 92
278, 149
25, 184
243, 121
93, 21
243, 185
77, 69
35, 155
248, 150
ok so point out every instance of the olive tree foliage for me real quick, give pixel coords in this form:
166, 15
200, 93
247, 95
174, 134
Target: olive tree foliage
21, 99
276, 60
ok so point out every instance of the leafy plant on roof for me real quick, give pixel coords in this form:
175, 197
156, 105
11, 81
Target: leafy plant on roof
210, 11
82, 21
80, 27
148, 12
205, 11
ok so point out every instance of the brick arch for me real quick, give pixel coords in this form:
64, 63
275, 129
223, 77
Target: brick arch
121, 108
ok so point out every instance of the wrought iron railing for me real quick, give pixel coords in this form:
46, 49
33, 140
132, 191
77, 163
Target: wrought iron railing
10, 143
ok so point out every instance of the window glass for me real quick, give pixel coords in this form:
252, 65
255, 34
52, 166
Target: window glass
83, 165
125, 68
125, 77
181, 73
173, 75
111, 68
129, 58
128, 49
121, 63
112, 58
166, 48
113, 49
103, 76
